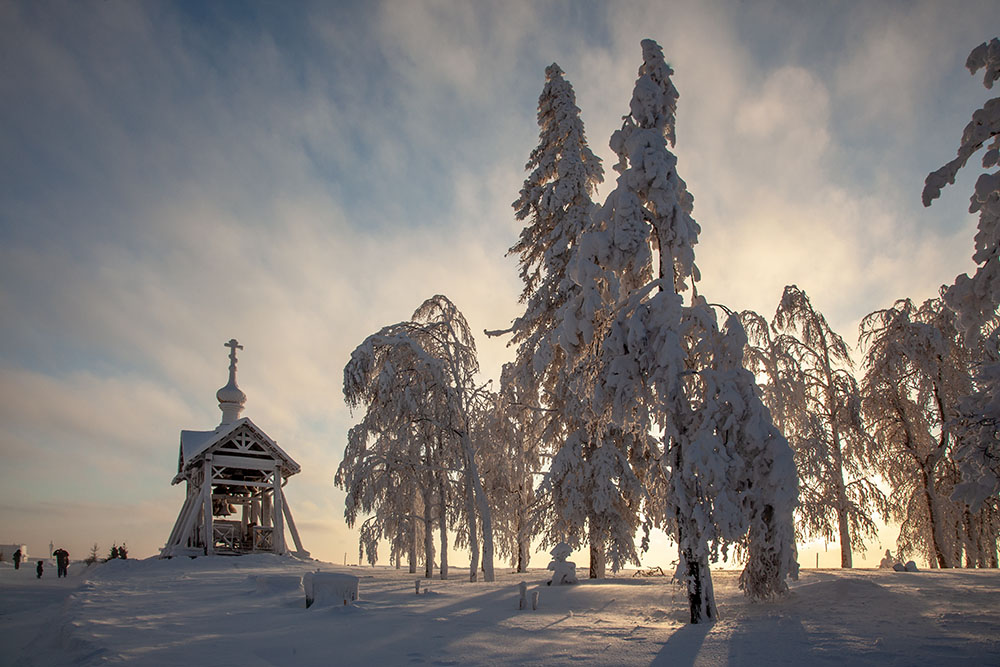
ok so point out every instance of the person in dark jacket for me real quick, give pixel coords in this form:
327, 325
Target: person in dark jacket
17, 559
62, 562
39, 569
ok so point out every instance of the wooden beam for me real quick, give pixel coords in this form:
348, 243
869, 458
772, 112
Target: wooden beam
231, 499
291, 523
243, 462
224, 481
185, 522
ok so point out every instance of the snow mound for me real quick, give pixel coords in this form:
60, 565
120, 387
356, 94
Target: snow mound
329, 588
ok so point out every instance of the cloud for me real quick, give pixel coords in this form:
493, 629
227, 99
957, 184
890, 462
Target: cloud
298, 184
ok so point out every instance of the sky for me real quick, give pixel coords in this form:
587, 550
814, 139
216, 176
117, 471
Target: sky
173, 175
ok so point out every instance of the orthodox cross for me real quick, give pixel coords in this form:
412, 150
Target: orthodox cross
233, 345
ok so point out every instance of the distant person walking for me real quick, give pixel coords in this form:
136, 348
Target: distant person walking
39, 569
62, 562
17, 559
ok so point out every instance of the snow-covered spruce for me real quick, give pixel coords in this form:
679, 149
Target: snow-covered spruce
555, 200
975, 299
717, 472
421, 373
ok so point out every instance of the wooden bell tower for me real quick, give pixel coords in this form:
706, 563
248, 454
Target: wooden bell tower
234, 475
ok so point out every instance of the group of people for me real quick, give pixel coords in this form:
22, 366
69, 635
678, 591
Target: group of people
62, 563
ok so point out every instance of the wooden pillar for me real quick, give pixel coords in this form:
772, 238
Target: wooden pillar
209, 537
265, 507
245, 535
279, 519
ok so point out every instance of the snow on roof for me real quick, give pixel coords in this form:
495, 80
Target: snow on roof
194, 444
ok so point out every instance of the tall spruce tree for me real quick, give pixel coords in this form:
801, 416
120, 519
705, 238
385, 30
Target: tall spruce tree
555, 200
662, 371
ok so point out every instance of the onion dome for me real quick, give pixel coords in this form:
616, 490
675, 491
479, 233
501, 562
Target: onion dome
231, 398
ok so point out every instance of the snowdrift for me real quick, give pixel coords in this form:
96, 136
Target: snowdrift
251, 611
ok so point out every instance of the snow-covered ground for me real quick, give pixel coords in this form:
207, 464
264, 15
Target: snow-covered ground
250, 611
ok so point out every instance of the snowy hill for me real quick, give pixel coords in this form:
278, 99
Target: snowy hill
250, 611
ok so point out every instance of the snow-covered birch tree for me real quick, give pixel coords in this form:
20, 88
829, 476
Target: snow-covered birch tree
422, 372
511, 470
917, 371
975, 300
555, 200
383, 475
662, 371
833, 453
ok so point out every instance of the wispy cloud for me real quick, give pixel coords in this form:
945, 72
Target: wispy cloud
299, 181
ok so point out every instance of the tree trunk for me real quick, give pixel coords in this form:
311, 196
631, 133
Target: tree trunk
598, 550
481, 503
846, 560
840, 496
487, 522
473, 527
399, 546
523, 532
972, 540
986, 544
413, 542
443, 527
701, 597
840, 488
934, 517
428, 538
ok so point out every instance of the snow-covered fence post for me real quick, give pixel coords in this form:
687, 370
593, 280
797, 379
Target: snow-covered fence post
534, 600
523, 604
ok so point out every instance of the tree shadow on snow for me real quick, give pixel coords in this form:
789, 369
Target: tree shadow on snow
845, 620
683, 646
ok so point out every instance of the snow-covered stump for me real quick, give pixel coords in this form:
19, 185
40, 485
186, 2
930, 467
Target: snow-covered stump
327, 588
523, 600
